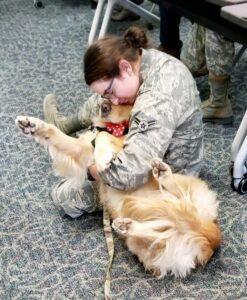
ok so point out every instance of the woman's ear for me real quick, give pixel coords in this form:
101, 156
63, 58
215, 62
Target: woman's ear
125, 68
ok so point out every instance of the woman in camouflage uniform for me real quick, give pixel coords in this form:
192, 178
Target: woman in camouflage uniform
165, 122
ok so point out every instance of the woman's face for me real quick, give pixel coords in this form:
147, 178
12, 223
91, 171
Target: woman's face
121, 89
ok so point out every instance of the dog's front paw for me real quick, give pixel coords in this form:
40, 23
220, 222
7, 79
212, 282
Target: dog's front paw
160, 169
122, 225
33, 127
29, 125
104, 159
26, 125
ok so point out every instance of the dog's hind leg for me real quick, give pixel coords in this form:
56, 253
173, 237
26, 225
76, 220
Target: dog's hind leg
152, 229
144, 239
167, 180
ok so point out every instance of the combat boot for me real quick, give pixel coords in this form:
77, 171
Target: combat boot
218, 109
52, 115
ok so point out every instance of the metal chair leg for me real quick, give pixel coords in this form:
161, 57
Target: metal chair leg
107, 17
96, 20
239, 158
239, 137
38, 4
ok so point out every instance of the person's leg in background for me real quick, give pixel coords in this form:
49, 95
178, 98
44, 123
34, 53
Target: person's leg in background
193, 50
205, 49
169, 32
219, 57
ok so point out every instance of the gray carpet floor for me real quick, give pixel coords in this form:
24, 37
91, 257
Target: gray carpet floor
46, 256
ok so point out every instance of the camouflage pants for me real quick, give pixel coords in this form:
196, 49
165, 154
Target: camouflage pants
75, 200
204, 46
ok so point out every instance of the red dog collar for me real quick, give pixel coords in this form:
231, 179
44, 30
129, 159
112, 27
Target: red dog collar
117, 129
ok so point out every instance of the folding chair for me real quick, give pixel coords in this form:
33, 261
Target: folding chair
137, 9
236, 14
239, 158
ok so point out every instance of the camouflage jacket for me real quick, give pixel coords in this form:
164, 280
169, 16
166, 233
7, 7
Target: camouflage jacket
165, 122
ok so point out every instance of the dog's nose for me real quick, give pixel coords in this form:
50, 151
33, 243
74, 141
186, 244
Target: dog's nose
105, 108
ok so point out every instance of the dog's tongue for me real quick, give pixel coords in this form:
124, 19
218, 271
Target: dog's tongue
117, 129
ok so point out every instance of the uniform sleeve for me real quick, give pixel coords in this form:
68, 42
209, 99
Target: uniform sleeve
151, 129
89, 110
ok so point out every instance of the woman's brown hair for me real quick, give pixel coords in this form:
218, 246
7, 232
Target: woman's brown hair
102, 58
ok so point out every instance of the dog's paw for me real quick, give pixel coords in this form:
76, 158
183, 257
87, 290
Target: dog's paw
156, 272
28, 125
160, 169
25, 124
103, 159
122, 225
33, 126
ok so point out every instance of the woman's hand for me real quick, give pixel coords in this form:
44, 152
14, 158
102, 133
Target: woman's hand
94, 172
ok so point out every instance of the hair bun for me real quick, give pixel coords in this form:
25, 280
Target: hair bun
135, 37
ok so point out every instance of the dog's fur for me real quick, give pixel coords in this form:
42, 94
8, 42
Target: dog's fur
170, 223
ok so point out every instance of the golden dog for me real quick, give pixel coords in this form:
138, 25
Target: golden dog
170, 223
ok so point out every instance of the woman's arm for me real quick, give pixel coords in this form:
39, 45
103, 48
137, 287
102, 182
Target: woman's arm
149, 137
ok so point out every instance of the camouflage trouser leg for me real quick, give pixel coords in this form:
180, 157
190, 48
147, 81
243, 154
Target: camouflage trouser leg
206, 46
75, 200
193, 50
219, 53
68, 125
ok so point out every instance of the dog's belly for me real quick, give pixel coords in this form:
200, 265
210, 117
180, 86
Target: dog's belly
114, 199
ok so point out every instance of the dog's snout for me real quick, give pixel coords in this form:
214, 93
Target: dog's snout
105, 108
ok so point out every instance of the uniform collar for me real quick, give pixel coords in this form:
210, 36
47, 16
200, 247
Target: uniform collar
145, 63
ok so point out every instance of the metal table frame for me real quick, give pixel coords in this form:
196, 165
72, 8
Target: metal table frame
208, 15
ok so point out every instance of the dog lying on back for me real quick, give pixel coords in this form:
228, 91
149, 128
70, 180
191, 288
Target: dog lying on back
170, 223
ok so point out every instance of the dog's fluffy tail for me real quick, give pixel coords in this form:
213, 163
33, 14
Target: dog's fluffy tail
188, 240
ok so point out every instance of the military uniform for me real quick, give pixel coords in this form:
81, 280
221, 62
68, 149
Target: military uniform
204, 47
165, 122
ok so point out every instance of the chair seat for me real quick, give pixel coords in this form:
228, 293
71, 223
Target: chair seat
236, 14
226, 2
